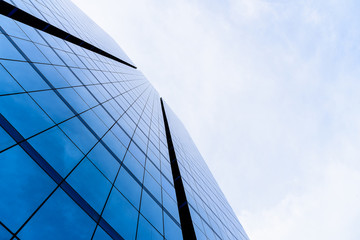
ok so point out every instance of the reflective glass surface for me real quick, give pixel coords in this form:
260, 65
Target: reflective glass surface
83, 149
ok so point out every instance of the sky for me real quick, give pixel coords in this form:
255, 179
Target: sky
269, 91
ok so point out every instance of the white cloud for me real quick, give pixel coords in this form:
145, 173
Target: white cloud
327, 209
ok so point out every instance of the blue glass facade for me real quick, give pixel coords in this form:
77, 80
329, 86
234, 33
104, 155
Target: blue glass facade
83, 144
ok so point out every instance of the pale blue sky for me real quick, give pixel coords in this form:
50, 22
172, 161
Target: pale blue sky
269, 91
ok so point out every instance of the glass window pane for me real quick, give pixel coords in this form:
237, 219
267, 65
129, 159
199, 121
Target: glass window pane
74, 99
115, 145
138, 154
5, 140
152, 186
8, 83
52, 105
151, 211
79, 134
91, 184
28, 78
27, 186
104, 161
172, 230
94, 122
101, 234
128, 187
28, 118
147, 231
57, 149
59, 218
4, 234
31, 51
52, 75
121, 215
171, 206
7, 50
135, 167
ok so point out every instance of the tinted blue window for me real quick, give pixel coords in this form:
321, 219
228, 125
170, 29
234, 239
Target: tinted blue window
30, 50
80, 73
150, 167
28, 78
121, 215
52, 75
59, 218
147, 231
103, 160
57, 149
112, 109
27, 186
8, 84
4, 234
115, 145
128, 187
68, 76
52, 105
11, 27
76, 102
101, 234
32, 34
171, 206
84, 94
168, 187
50, 54
199, 234
5, 140
151, 211
105, 117
209, 233
91, 184
135, 167
28, 118
94, 90
121, 135
152, 186
138, 154
7, 50
172, 230
79, 134
94, 122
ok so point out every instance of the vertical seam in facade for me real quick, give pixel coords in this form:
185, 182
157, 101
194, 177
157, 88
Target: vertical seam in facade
186, 222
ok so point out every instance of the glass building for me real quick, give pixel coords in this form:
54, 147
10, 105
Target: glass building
88, 149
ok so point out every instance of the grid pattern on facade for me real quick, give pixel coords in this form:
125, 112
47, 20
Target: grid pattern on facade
83, 150
65, 15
